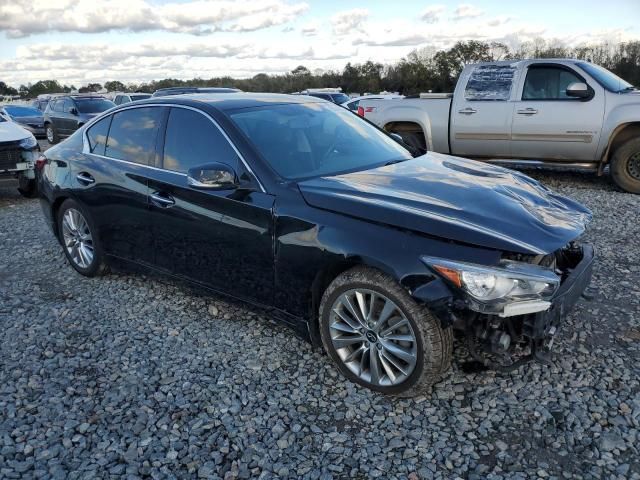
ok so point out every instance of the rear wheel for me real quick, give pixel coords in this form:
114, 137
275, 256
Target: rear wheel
52, 134
381, 338
625, 166
78, 238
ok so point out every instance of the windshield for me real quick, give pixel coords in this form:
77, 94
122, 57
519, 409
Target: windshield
604, 77
93, 105
316, 139
16, 111
340, 97
139, 96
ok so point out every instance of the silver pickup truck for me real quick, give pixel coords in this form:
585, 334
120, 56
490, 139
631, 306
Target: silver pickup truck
551, 113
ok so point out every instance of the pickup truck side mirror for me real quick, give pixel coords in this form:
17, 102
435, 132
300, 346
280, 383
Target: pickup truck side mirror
73, 111
213, 176
578, 90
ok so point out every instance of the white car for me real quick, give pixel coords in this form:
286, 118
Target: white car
121, 98
353, 103
18, 153
550, 113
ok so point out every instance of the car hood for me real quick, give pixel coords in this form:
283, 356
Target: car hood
11, 131
456, 199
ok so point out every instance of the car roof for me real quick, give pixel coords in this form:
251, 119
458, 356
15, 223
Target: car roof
232, 101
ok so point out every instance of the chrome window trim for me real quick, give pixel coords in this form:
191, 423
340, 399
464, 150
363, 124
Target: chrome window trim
86, 150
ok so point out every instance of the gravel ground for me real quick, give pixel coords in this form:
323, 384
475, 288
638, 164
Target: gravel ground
134, 376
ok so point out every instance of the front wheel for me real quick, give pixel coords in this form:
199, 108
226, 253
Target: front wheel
625, 166
78, 237
52, 134
380, 337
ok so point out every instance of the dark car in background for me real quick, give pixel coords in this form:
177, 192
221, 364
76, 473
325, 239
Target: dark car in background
305, 208
121, 98
165, 92
29, 118
66, 113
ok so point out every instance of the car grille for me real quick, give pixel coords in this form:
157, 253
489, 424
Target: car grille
10, 155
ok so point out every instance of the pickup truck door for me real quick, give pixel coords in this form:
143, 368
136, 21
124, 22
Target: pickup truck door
548, 124
482, 111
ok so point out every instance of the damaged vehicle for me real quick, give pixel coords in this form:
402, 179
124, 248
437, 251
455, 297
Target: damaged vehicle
302, 207
18, 153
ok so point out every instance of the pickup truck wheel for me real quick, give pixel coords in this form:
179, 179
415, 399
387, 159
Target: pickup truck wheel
52, 134
380, 337
625, 166
27, 187
79, 240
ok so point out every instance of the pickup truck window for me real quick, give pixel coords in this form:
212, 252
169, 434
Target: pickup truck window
548, 83
490, 82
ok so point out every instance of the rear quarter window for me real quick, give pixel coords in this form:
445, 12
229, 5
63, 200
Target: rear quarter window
490, 82
97, 135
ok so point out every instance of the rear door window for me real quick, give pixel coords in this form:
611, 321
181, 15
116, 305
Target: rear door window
490, 82
192, 140
97, 136
133, 134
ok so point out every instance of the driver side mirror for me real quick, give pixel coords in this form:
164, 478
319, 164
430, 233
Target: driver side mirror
213, 176
73, 111
578, 90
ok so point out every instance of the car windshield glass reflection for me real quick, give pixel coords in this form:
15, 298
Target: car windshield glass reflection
94, 105
316, 139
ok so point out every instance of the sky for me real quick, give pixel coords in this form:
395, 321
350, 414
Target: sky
83, 41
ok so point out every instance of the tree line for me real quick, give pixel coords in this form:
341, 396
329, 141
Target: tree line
423, 70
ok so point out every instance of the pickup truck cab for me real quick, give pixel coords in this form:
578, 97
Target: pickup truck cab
551, 113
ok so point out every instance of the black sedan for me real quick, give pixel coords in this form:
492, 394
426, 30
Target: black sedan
301, 206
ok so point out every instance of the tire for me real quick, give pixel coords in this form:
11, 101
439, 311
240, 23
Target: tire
51, 134
83, 239
27, 187
431, 345
625, 166
413, 140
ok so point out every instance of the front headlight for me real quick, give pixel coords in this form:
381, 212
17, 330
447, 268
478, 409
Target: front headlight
28, 143
490, 288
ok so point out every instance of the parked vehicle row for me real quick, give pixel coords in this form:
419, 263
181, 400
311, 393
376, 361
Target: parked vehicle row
298, 205
551, 113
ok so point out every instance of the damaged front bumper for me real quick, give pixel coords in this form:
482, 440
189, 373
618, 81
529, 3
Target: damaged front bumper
504, 342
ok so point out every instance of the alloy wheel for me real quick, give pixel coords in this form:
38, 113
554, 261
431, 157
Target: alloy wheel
77, 238
373, 337
50, 134
633, 165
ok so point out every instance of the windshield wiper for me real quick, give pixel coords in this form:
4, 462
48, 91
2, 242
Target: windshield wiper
627, 89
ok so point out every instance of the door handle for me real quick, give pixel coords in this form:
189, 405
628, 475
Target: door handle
467, 111
528, 111
85, 179
162, 200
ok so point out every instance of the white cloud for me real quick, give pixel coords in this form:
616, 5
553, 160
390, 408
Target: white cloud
310, 29
432, 13
21, 18
349, 21
466, 11
500, 20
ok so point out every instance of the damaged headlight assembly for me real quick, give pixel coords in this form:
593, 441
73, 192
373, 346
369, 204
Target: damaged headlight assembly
511, 288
